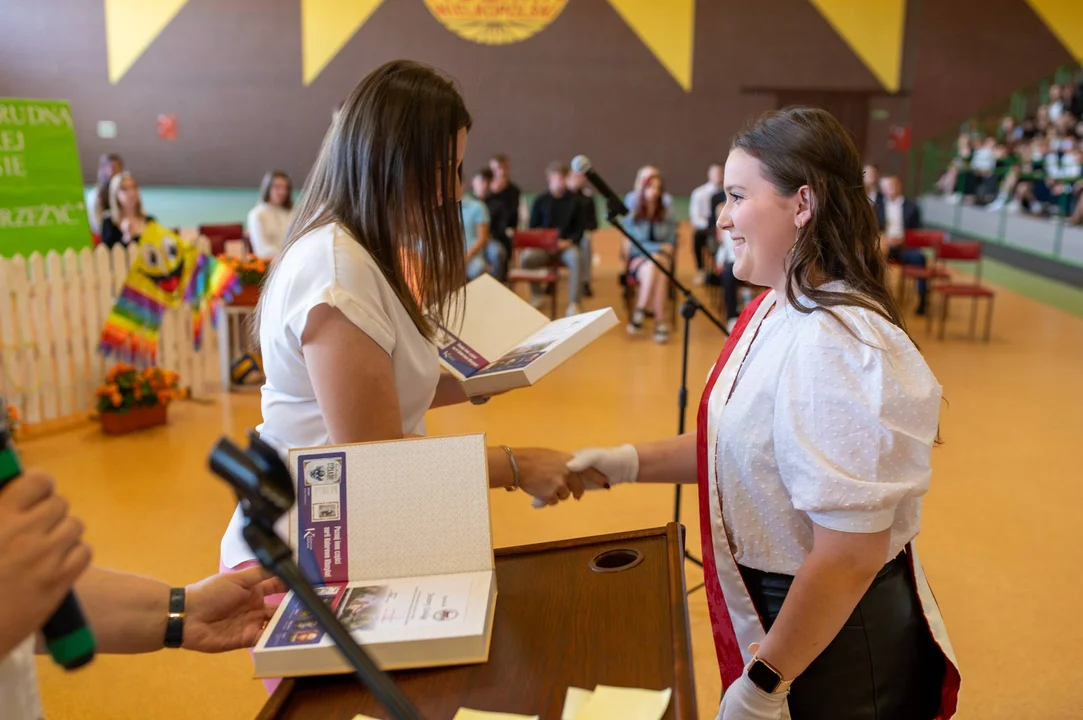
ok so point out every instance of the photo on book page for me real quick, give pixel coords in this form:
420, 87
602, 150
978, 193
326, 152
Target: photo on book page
362, 607
298, 626
539, 343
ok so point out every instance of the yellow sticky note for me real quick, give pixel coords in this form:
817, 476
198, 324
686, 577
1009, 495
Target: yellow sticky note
610, 703
465, 714
574, 702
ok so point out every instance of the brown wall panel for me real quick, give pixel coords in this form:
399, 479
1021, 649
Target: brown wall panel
230, 70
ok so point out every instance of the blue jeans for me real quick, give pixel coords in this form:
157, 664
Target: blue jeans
586, 259
532, 258
492, 260
912, 256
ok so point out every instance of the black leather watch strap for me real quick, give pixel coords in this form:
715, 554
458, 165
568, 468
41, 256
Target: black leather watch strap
174, 626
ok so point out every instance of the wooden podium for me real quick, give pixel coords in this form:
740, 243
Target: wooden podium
606, 610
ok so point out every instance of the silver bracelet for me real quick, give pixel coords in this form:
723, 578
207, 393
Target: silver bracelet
514, 469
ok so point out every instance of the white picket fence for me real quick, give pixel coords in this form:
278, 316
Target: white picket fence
52, 311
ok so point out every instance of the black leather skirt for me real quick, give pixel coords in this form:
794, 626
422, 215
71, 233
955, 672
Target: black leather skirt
883, 664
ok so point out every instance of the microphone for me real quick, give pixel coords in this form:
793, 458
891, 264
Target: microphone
581, 164
67, 636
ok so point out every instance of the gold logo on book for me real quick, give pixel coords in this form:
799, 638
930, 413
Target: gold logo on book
495, 22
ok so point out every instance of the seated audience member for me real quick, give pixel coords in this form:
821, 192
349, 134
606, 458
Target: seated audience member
577, 185
269, 220
871, 178
503, 203
125, 220
98, 203
653, 226
701, 213
483, 254
560, 210
899, 215
645, 173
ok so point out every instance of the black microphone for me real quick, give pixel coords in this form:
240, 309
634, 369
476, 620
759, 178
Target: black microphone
67, 636
581, 164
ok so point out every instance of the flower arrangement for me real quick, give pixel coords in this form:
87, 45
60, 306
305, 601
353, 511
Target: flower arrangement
126, 388
250, 270
11, 419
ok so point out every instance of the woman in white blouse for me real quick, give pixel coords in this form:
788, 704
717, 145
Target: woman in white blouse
346, 317
269, 220
812, 452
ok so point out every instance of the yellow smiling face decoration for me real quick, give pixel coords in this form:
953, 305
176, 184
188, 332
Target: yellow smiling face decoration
165, 272
163, 267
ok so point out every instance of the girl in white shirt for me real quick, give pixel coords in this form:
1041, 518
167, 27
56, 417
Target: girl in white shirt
812, 452
269, 220
346, 314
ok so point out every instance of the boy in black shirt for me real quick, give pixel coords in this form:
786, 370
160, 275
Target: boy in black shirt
502, 202
577, 184
560, 210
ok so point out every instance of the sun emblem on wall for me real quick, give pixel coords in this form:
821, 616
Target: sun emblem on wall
495, 22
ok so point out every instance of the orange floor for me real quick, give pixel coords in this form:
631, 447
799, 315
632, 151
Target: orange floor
1000, 538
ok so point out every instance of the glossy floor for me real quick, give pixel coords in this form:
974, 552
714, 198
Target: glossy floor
1000, 537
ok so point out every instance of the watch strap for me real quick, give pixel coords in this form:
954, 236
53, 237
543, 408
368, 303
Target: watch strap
174, 626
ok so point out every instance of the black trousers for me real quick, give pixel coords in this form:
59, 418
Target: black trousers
883, 664
700, 241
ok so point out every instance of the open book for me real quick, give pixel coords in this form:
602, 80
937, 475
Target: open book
399, 533
496, 341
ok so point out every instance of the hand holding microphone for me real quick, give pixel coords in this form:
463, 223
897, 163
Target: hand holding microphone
41, 554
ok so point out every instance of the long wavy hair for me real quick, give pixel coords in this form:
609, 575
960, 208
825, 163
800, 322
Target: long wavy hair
386, 173
807, 146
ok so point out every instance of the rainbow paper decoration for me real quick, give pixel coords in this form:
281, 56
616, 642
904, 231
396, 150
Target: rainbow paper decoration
165, 272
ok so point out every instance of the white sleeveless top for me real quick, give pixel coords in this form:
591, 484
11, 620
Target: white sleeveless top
327, 266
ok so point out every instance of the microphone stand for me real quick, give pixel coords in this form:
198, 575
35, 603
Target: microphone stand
689, 307
257, 476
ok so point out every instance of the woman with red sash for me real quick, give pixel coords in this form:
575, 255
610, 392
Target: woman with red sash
811, 453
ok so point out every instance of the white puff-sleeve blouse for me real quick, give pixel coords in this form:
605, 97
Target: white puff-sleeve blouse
824, 427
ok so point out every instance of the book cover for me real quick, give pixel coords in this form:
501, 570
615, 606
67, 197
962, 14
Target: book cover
497, 341
397, 537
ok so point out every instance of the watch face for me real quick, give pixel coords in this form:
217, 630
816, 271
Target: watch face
763, 676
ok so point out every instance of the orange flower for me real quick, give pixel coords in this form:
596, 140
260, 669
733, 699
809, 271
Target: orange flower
13, 413
116, 399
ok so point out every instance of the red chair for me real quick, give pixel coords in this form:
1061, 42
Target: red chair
218, 234
549, 275
969, 252
922, 240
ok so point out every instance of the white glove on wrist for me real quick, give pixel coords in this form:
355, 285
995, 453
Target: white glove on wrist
619, 465
745, 701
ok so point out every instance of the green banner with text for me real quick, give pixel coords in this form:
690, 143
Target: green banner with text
41, 185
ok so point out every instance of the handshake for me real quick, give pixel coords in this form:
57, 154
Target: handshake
551, 476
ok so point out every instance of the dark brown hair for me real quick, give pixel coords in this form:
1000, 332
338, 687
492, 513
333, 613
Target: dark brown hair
807, 146
268, 181
388, 159
105, 174
556, 168
641, 200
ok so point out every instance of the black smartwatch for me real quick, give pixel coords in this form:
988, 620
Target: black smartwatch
174, 626
765, 677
